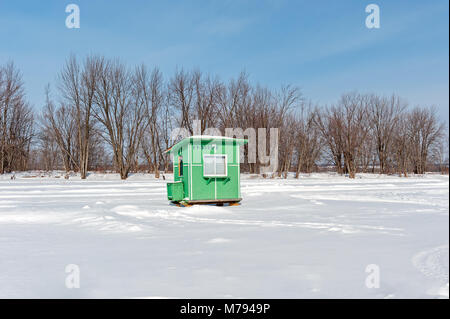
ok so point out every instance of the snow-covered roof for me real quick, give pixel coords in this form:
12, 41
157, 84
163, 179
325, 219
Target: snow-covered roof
211, 137
204, 137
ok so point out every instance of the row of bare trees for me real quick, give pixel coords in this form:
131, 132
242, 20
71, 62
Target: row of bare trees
102, 103
106, 115
366, 132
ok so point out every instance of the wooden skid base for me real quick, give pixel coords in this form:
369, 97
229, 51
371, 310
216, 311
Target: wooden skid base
218, 202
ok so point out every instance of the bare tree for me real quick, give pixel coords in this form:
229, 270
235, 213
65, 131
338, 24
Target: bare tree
424, 131
384, 116
152, 97
166, 126
329, 124
47, 152
59, 126
207, 92
439, 154
281, 114
309, 141
182, 95
234, 100
352, 111
120, 109
16, 121
77, 85
287, 145
368, 154
402, 147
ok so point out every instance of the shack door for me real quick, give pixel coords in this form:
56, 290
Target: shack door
228, 186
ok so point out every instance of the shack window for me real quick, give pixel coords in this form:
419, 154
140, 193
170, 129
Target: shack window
215, 165
180, 166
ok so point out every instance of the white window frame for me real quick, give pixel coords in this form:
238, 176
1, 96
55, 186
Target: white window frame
215, 156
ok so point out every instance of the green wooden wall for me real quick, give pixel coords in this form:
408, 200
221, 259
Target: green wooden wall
198, 187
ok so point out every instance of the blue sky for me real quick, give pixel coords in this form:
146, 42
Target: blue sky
321, 46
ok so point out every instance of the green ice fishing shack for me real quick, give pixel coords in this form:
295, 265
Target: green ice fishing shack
206, 170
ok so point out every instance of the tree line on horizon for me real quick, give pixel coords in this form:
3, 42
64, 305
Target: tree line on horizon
104, 115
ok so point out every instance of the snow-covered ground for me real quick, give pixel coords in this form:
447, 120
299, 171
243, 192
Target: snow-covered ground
306, 238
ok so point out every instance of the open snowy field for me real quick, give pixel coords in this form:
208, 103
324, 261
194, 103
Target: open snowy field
306, 238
